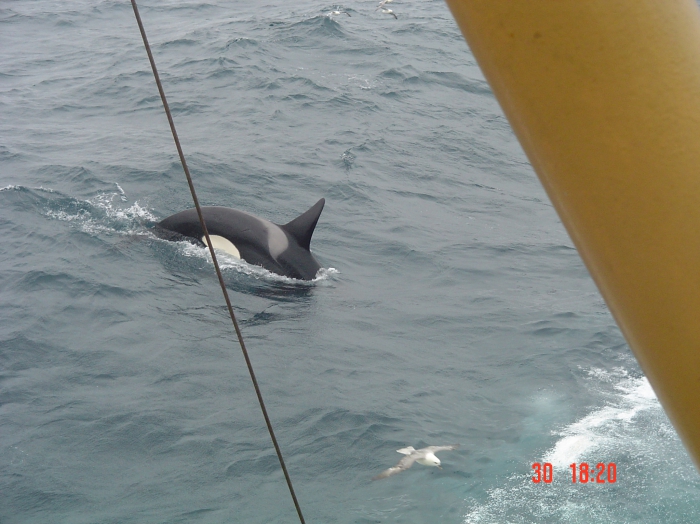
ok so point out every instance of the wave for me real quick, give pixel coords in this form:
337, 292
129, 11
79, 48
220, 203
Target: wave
320, 26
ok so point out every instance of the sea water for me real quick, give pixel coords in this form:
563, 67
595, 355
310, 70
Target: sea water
453, 307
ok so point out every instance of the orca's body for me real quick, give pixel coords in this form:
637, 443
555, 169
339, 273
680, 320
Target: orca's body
282, 249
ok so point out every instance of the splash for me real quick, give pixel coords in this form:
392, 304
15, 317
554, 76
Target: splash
13, 187
100, 214
228, 262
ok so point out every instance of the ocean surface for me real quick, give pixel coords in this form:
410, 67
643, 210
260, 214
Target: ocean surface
452, 307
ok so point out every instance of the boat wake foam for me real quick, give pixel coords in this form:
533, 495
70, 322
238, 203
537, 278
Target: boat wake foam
631, 430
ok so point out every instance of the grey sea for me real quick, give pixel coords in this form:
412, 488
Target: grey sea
452, 307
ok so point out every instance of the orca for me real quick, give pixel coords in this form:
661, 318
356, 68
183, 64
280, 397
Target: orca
281, 249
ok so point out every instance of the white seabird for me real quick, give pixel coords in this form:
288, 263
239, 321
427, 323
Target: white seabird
389, 12
425, 456
336, 13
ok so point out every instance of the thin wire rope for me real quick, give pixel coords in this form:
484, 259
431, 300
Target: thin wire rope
216, 263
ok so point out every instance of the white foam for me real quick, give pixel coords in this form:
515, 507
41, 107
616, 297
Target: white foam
116, 220
63, 216
123, 194
326, 274
13, 187
135, 211
228, 262
602, 425
613, 432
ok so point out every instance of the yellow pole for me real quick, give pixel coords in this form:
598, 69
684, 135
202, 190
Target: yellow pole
604, 96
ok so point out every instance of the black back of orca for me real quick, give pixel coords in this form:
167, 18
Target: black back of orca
282, 249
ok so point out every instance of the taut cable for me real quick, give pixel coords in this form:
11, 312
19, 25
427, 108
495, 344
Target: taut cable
216, 263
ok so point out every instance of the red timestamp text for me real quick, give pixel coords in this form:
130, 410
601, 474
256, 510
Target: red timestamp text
582, 473
543, 473
600, 473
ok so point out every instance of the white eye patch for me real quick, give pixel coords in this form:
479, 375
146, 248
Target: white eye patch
223, 244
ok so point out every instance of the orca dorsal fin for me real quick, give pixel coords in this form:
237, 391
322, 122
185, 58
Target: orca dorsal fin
302, 227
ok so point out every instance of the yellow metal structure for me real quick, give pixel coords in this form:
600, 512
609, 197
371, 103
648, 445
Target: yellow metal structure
604, 96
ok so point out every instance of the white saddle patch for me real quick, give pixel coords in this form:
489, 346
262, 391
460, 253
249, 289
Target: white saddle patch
277, 241
224, 244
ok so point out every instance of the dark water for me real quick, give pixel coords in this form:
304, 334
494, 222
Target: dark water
453, 307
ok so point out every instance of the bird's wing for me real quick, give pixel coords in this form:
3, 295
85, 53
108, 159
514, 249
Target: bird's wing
435, 449
403, 464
